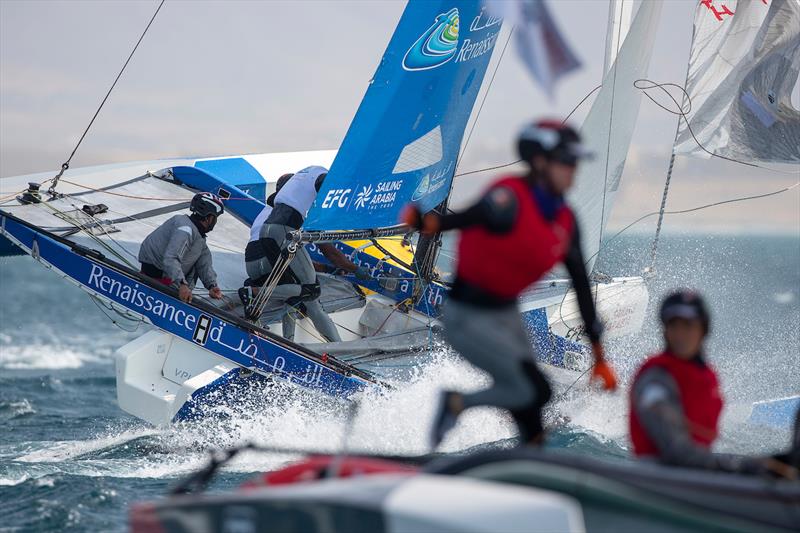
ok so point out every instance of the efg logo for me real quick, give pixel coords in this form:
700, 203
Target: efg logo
436, 46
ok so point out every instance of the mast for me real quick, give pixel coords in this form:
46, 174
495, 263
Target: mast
428, 248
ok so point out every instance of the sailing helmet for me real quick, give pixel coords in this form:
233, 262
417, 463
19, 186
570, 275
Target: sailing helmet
685, 304
552, 139
206, 203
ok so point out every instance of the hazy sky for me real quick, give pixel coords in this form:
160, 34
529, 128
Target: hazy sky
215, 78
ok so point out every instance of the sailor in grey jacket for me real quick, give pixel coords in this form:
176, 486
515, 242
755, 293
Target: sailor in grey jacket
176, 253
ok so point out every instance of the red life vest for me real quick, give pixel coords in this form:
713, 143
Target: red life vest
700, 397
505, 264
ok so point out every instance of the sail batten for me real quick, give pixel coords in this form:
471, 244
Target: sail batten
403, 143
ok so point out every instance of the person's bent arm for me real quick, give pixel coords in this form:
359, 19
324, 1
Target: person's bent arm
576, 267
337, 257
496, 211
340, 261
656, 400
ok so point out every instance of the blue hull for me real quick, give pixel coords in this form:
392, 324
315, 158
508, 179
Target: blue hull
217, 331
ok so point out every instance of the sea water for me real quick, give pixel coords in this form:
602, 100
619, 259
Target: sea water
70, 459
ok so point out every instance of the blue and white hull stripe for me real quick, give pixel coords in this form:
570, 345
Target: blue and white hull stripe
221, 333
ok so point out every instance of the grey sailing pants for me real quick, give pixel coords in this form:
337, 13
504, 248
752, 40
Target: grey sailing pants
495, 341
299, 282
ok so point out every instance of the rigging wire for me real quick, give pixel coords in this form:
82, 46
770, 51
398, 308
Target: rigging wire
65, 165
608, 137
644, 85
102, 307
701, 207
81, 227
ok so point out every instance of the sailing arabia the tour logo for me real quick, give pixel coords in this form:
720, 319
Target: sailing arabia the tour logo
383, 195
436, 46
363, 197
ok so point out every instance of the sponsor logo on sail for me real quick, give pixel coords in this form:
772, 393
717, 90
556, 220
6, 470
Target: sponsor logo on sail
336, 198
363, 196
436, 46
440, 42
384, 194
432, 182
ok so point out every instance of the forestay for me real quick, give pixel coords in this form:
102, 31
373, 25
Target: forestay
608, 130
743, 67
403, 143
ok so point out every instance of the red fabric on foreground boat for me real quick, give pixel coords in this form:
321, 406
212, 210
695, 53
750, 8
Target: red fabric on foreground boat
328, 466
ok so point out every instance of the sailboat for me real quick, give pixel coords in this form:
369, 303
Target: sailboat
527, 489
402, 146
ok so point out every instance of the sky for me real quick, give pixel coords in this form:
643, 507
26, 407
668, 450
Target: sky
217, 78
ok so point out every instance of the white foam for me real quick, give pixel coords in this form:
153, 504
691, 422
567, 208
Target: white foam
10, 482
397, 421
19, 408
59, 451
44, 356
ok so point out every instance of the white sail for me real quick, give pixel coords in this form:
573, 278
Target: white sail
608, 130
620, 15
743, 67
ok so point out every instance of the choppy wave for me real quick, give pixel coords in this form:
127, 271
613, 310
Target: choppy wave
390, 422
46, 357
16, 409
71, 459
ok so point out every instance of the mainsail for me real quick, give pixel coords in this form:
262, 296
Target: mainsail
743, 67
403, 143
608, 130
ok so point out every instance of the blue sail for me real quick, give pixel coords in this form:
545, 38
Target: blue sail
403, 143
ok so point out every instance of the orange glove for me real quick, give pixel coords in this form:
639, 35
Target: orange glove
411, 216
602, 371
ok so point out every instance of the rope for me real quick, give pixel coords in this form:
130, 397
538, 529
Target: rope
590, 93
424, 285
701, 207
81, 227
504, 165
136, 197
654, 247
65, 165
645, 85
271, 282
101, 306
